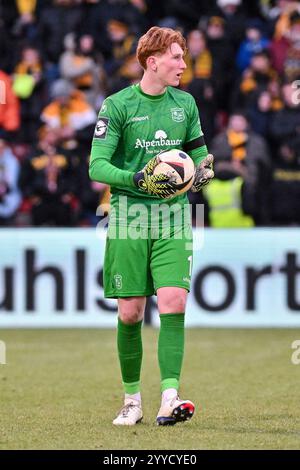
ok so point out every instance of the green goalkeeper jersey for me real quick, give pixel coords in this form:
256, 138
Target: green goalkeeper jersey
133, 127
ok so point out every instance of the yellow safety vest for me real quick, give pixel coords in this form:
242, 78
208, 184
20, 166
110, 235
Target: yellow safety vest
225, 204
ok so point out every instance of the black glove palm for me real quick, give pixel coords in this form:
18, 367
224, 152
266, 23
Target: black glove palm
204, 174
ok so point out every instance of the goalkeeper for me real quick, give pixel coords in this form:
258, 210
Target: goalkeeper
133, 126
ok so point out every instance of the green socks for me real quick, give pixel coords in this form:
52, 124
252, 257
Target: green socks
130, 349
170, 349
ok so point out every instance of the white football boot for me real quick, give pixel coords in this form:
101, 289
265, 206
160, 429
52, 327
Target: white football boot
130, 414
174, 410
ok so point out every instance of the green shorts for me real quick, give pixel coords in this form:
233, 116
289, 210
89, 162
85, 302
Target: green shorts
138, 267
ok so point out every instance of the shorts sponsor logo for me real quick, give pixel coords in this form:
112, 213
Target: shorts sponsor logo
118, 281
101, 128
178, 114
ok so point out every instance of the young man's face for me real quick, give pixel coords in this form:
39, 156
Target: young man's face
170, 65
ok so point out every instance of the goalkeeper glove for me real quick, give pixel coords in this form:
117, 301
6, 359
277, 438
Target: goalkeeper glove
156, 185
204, 174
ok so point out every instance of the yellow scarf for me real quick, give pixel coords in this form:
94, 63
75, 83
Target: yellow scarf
24, 68
26, 6
200, 68
237, 141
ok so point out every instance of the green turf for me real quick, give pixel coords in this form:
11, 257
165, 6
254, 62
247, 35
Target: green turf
60, 389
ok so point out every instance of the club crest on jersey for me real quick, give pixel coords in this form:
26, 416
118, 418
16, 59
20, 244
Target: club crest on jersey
101, 128
118, 281
178, 114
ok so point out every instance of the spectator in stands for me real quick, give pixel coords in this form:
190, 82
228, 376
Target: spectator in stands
97, 15
292, 59
198, 59
254, 42
25, 25
281, 15
10, 196
211, 77
235, 19
274, 88
83, 67
185, 13
285, 51
136, 14
130, 73
49, 180
285, 124
30, 87
70, 115
260, 115
226, 198
197, 79
92, 196
122, 45
9, 105
255, 79
273, 9
223, 67
285, 187
238, 151
57, 20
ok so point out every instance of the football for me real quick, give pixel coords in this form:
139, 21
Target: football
179, 166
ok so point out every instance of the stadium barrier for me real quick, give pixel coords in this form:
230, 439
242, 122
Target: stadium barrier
241, 278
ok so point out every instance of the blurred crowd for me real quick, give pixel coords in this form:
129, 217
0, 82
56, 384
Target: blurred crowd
59, 59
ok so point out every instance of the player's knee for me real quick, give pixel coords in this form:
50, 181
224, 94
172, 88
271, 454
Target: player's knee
173, 304
130, 317
131, 310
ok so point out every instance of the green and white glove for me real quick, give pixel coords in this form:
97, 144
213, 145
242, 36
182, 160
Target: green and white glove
204, 173
156, 185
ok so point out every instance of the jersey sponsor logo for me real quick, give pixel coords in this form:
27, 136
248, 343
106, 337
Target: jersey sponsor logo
178, 114
140, 118
118, 281
160, 140
101, 128
160, 135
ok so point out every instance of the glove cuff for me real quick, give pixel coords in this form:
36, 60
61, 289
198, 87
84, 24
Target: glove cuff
139, 179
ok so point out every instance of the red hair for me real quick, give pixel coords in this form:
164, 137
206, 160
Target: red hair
157, 41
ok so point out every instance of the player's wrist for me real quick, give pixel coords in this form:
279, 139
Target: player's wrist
128, 179
139, 179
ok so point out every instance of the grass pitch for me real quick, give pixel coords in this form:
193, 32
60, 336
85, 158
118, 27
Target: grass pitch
60, 389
